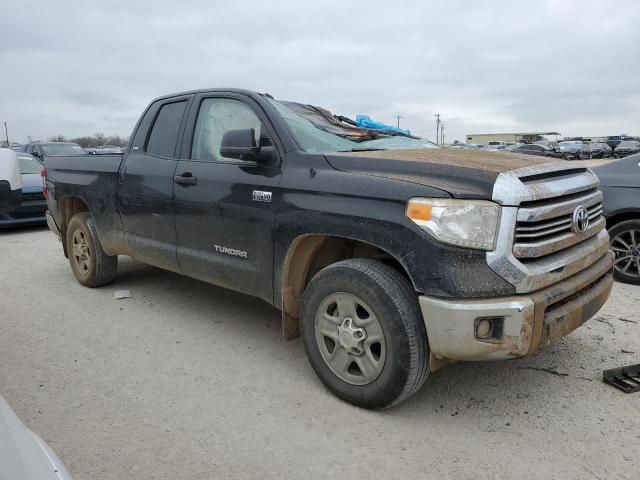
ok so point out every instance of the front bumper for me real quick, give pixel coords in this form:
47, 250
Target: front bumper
520, 324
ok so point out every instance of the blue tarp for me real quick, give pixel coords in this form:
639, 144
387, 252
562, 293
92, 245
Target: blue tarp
364, 121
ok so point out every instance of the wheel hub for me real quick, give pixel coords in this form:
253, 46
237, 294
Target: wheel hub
351, 337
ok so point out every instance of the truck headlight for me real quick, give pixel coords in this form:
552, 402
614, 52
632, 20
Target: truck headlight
466, 223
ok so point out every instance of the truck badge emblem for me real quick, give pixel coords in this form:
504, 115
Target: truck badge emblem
580, 219
260, 196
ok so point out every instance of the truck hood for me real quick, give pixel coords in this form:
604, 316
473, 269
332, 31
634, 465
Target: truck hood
461, 173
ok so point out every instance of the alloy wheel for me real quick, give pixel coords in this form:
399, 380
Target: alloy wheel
626, 246
81, 251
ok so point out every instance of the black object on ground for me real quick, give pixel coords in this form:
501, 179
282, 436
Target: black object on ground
626, 378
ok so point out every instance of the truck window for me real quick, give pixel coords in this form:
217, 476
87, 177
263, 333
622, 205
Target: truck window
216, 116
164, 134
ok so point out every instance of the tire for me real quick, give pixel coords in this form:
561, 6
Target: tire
625, 243
90, 265
399, 361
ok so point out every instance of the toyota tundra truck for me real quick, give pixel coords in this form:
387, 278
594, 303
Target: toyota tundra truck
391, 258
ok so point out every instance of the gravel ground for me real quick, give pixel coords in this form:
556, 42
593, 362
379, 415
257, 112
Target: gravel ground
189, 381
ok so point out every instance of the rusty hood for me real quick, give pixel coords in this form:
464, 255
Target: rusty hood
462, 173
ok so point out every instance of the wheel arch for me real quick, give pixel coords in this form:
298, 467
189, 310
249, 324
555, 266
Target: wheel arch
67, 208
307, 255
622, 216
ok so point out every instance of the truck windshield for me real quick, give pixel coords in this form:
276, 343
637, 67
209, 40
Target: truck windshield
318, 131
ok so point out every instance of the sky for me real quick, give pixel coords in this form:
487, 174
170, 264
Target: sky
571, 66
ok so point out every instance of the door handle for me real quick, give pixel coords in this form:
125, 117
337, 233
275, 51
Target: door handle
186, 179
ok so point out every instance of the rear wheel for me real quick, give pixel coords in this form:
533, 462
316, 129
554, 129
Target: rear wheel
625, 243
364, 334
91, 266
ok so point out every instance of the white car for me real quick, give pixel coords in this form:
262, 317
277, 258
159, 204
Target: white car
10, 181
23, 454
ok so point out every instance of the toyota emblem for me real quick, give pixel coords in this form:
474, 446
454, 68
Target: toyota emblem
580, 219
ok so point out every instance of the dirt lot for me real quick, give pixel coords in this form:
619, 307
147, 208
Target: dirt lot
190, 381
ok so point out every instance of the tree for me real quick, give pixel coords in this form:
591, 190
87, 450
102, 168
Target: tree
58, 138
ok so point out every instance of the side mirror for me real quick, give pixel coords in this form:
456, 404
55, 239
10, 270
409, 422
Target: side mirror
241, 144
35, 153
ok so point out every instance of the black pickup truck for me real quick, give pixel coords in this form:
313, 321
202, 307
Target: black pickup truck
390, 257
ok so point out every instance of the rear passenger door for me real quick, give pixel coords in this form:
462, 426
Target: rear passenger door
145, 189
225, 218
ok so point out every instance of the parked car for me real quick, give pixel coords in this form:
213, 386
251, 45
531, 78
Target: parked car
389, 257
620, 185
533, 149
574, 150
33, 205
600, 150
23, 454
42, 150
626, 148
463, 146
613, 141
10, 181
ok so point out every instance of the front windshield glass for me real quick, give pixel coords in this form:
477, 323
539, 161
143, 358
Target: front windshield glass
28, 164
63, 149
314, 139
627, 143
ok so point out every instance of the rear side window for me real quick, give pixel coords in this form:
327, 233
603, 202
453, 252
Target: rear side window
164, 133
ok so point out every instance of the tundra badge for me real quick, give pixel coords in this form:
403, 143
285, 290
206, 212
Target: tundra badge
260, 196
231, 251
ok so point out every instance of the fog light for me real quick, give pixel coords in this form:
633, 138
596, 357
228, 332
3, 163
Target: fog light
489, 329
484, 328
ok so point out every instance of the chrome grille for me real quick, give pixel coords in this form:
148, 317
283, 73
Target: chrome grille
546, 227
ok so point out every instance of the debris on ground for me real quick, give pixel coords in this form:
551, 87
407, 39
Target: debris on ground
551, 370
626, 378
626, 320
120, 294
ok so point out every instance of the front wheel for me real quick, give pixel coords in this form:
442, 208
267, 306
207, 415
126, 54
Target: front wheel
625, 243
91, 266
363, 332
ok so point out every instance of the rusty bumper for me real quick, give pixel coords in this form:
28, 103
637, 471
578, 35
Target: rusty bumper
510, 327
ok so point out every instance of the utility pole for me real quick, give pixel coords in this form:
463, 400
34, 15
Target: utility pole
442, 134
398, 117
6, 132
437, 115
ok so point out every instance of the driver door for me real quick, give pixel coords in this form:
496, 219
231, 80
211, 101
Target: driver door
224, 224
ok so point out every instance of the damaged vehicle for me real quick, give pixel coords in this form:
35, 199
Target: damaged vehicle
389, 257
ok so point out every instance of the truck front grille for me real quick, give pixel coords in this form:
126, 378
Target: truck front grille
546, 227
